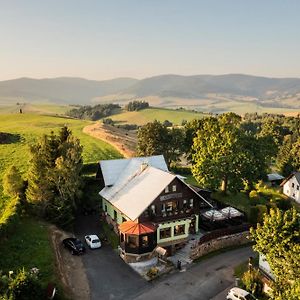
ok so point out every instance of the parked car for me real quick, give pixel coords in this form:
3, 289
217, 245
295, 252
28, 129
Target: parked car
74, 245
239, 294
93, 241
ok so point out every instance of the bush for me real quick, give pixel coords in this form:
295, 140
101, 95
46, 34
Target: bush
23, 286
152, 272
262, 210
252, 282
282, 203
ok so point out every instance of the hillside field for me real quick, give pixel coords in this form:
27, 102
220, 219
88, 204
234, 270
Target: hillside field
150, 114
35, 108
31, 126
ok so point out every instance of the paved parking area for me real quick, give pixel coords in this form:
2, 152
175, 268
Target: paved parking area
109, 277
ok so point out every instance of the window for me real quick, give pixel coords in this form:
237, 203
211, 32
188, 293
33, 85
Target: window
185, 204
115, 215
165, 233
123, 220
163, 207
122, 237
169, 206
191, 203
105, 208
297, 187
145, 241
167, 189
174, 188
132, 241
293, 184
179, 229
153, 209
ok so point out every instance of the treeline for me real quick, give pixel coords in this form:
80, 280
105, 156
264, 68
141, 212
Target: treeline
94, 112
227, 151
136, 105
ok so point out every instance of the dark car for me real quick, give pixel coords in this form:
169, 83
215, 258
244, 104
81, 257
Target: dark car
74, 245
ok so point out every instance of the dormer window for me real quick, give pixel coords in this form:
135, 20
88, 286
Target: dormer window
167, 189
174, 188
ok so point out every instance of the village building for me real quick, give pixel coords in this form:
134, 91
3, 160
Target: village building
291, 186
147, 205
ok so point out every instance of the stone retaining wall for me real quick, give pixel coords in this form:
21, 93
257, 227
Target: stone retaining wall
220, 243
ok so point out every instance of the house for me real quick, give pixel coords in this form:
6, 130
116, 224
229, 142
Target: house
147, 205
291, 186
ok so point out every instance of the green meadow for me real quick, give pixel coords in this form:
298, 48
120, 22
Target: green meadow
150, 114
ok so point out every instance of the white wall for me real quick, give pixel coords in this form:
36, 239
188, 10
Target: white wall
291, 191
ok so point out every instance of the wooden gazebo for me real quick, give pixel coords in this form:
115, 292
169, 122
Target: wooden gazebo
137, 238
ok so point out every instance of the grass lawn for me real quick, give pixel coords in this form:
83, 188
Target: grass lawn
161, 114
29, 246
110, 234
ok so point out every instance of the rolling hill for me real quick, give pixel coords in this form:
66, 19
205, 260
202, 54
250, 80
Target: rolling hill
209, 93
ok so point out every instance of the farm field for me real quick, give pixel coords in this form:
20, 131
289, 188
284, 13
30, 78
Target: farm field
150, 114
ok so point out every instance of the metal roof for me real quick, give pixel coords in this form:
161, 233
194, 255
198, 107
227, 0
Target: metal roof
113, 169
275, 176
134, 191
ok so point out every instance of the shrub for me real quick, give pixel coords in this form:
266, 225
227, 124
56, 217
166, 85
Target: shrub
282, 203
23, 286
252, 282
152, 272
262, 210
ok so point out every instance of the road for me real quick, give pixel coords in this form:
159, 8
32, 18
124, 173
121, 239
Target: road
111, 278
209, 279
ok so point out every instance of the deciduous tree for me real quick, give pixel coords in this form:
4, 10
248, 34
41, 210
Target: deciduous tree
278, 239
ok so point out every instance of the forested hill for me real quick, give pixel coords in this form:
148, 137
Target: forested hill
198, 90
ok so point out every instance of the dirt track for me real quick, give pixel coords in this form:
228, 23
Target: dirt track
70, 268
121, 139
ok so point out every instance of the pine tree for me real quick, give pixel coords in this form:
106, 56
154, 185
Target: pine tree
54, 180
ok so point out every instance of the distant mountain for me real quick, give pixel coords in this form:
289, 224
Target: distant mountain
209, 92
199, 85
62, 90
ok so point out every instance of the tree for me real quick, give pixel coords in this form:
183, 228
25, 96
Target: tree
224, 155
54, 180
13, 184
288, 158
155, 139
278, 239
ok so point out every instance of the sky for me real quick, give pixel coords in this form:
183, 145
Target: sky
97, 39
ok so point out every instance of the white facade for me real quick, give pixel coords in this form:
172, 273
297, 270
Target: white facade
265, 267
291, 188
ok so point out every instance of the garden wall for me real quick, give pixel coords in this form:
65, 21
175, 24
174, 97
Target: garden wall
204, 248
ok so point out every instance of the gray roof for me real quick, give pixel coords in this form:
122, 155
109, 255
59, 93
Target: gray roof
134, 192
275, 176
113, 169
